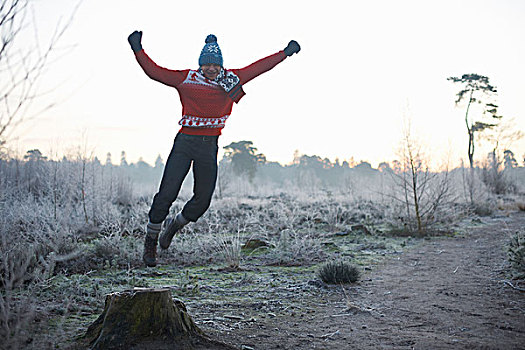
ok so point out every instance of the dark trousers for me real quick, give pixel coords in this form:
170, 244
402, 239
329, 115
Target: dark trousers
202, 151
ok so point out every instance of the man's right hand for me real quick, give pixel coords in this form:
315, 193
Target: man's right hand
134, 40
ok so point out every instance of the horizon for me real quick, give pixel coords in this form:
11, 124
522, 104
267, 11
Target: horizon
351, 162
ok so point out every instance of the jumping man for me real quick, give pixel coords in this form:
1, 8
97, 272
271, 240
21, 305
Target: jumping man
207, 96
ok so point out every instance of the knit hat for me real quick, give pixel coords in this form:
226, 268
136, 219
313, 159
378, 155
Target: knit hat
211, 52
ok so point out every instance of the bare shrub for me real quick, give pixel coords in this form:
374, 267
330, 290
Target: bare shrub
18, 276
190, 248
483, 208
224, 178
196, 244
420, 192
474, 190
294, 248
16, 314
495, 177
124, 191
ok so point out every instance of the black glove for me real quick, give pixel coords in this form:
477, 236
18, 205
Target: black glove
134, 40
293, 47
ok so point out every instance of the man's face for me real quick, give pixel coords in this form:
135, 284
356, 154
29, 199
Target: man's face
211, 71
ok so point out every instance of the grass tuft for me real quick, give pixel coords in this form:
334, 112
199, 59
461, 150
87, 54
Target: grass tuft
337, 272
516, 254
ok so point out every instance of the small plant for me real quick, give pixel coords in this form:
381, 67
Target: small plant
295, 248
229, 247
516, 254
188, 285
483, 208
336, 272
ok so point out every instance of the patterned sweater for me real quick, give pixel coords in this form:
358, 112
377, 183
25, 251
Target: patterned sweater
205, 104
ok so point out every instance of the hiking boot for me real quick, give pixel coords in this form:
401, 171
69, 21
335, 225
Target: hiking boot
150, 251
171, 226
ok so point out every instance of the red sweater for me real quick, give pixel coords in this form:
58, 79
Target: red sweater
205, 105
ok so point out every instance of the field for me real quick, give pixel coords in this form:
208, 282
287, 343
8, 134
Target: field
248, 271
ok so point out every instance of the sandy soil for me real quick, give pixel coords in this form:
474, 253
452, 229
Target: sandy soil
446, 293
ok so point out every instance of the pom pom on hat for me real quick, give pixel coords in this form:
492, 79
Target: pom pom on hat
211, 39
211, 52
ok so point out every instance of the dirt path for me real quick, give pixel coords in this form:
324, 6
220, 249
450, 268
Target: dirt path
447, 293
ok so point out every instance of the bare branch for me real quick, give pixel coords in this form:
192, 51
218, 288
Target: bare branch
22, 66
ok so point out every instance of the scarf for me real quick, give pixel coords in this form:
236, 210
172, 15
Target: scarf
230, 82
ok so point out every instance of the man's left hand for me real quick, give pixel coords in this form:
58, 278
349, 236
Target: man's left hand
293, 47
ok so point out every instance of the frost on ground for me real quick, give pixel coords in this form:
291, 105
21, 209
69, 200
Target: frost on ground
443, 293
248, 270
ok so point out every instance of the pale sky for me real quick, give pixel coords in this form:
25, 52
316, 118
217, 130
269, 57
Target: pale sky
344, 95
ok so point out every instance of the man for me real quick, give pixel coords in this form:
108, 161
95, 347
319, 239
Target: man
207, 96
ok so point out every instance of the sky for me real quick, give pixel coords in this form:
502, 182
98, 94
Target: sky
364, 68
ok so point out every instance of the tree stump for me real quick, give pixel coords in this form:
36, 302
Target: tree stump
146, 316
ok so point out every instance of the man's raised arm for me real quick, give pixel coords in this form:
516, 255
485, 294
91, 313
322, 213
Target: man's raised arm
152, 70
263, 65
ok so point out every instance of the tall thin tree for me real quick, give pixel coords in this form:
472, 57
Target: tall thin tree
476, 89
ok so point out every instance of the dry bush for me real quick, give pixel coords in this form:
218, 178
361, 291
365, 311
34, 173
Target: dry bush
294, 248
483, 208
19, 275
189, 248
419, 191
495, 177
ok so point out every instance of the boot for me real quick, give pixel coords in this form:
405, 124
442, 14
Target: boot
150, 251
150, 244
171, 226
